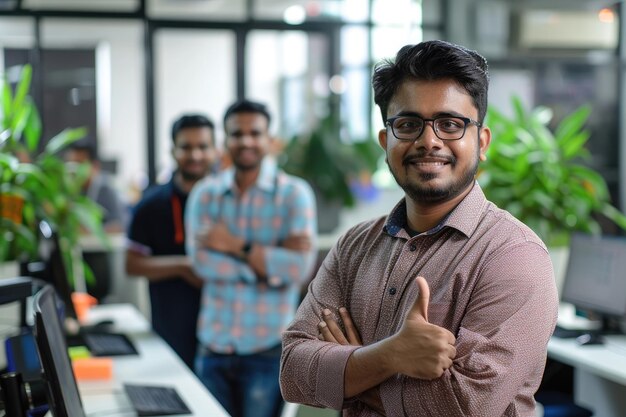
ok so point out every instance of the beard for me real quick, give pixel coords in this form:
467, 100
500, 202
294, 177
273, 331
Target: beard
191, 176
247, 165
422, 193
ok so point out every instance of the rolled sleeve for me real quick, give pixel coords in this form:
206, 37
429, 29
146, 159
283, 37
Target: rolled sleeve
312, 371
286, 267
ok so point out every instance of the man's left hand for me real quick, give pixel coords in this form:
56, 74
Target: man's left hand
330, 331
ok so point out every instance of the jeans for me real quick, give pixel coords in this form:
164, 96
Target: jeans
245, 385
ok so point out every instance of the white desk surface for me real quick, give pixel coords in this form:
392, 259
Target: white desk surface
156, 364
607, 360
90, 243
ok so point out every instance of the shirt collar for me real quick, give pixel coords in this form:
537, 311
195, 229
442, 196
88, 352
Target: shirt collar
266, 180
174, 186
464, 217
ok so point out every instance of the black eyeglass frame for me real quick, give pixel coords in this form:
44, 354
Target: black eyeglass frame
466, 121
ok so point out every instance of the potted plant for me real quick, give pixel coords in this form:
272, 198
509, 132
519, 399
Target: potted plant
36, 185
538, 175
331, 166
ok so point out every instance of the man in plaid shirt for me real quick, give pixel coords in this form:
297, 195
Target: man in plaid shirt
251, 232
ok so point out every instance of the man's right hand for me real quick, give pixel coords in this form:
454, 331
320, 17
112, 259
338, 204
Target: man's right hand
422, 350
189, 275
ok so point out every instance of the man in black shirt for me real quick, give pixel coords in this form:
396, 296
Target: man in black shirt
156, 238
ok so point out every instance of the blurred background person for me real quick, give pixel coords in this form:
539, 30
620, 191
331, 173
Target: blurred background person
156, 237
254, 246
99, 186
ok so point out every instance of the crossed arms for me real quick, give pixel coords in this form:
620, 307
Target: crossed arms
407, 365
419, 350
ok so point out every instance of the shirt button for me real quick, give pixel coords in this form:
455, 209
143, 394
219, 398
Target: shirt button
392, 291
413, 247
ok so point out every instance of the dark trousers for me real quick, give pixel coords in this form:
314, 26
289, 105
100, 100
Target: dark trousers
245, 385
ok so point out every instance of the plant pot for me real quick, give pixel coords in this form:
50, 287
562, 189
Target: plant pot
11, 207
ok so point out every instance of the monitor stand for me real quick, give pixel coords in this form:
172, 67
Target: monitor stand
611, 326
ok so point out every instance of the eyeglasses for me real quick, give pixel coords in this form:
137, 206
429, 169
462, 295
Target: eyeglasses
410, 128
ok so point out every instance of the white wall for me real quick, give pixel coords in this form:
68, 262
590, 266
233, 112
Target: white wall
195, 71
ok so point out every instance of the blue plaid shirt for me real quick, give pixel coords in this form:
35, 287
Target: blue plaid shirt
238, 314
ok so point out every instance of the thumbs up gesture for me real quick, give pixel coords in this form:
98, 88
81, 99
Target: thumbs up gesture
422, 350
420, 307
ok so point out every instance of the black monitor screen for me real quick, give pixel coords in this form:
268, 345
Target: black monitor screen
64, 400
52, 271
57, 276
596, 274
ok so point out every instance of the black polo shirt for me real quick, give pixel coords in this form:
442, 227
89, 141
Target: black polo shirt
158, 227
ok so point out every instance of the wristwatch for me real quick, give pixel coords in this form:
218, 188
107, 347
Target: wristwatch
245, 250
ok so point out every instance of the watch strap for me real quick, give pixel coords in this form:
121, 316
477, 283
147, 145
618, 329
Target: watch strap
246, 249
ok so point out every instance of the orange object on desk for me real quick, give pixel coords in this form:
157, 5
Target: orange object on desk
93, 368
82, 303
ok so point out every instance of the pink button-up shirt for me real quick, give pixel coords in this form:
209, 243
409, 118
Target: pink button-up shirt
491, 283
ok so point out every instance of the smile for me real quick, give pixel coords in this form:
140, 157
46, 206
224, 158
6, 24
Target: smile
428, 163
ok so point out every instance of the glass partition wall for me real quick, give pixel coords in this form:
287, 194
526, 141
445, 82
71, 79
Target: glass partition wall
153, 60
129, 67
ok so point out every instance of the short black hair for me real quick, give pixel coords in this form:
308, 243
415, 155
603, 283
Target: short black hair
429, 61
86, 145
247, 106
190, 120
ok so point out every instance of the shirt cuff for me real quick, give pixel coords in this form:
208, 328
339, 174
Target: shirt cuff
330, 378
138, 247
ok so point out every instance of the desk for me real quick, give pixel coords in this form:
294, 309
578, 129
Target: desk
599, 373
156, 364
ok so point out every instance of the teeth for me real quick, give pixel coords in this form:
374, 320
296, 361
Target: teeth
430, 163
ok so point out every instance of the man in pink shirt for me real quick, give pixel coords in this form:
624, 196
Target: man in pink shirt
445, 306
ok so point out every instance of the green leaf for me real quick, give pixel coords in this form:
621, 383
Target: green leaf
22, 88
541, 115
572, 124
614, 214
518, 108
64, 139
536, 174
20, 118
573, 147
7, 103
90, 277
32, 130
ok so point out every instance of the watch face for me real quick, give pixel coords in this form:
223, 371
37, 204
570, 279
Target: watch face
247, 247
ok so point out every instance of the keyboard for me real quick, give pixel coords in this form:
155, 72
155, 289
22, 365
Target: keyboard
108, 344
148, 400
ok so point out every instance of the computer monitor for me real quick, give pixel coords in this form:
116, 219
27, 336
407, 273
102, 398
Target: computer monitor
63, 397
52, 270
595, 280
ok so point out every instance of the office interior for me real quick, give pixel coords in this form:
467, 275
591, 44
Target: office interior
127, 68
